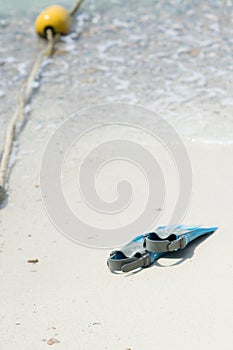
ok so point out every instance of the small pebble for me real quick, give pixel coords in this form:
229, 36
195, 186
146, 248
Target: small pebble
33, 261
52, 341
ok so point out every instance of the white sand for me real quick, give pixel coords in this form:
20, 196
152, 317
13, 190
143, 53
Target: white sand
71, 296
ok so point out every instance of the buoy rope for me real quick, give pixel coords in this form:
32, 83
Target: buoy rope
23, 99
75, 7
25, 95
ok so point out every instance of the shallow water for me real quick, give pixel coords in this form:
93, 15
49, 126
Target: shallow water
25, 7
172, 56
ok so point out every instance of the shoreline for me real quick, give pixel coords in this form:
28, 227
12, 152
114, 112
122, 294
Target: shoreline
174, 66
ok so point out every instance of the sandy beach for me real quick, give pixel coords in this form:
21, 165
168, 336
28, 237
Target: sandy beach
60, 294
71, 296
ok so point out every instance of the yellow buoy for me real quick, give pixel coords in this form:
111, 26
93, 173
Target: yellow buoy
54, 17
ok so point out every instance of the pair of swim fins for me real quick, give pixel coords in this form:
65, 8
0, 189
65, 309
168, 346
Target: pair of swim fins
143, 250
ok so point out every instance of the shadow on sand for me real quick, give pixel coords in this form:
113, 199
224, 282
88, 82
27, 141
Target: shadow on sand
180, 255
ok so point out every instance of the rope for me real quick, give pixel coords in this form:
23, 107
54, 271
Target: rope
75, 7
24, 98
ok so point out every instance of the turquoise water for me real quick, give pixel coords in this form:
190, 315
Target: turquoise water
29, 7
26, 7
174, 57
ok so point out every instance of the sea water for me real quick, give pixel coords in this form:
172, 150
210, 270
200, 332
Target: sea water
174, 57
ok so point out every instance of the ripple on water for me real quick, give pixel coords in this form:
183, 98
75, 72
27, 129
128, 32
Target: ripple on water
174, 57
